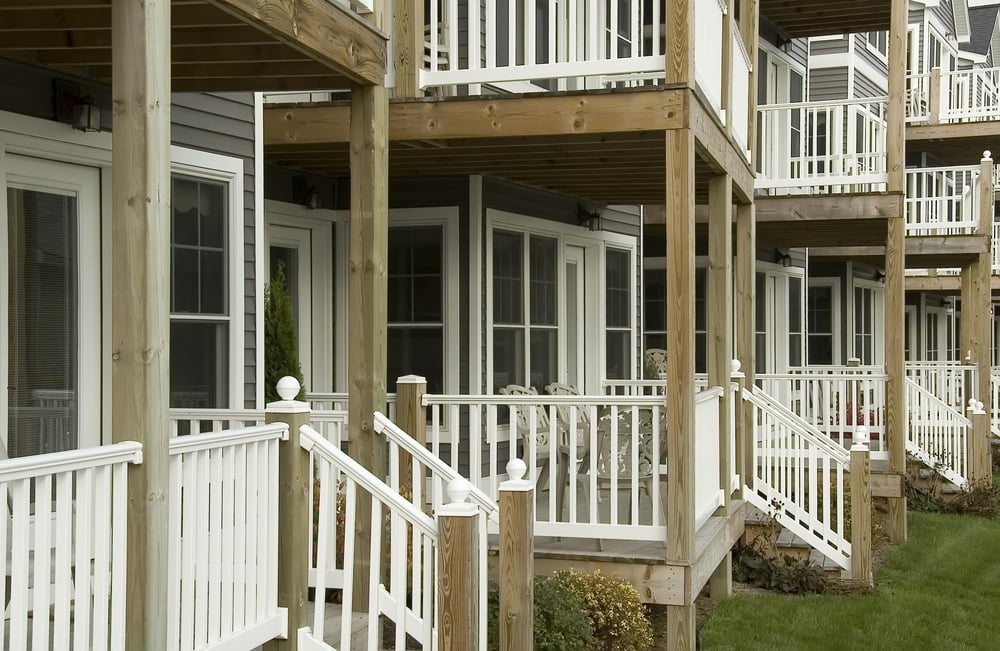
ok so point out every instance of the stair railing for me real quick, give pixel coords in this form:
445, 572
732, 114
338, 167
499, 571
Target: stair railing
938, 434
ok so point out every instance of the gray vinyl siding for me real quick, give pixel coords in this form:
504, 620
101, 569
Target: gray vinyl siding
865, 87
874, 59
916, 17
828, 84
222, 123
828, 46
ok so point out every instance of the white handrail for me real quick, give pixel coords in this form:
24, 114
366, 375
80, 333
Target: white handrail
937, 433
70, 460
227, 438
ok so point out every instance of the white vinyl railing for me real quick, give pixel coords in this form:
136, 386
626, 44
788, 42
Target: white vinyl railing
960, 96
951, 382
995, 401
798, 476
409, 600
937, 434
826, 146
337, 401
331, 422
709, 17
942, 200
223, 552
835, 401
596, 459
64, 528
709, 493
427, 484
741, 69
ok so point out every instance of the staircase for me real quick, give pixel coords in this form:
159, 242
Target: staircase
797, 477
937, 434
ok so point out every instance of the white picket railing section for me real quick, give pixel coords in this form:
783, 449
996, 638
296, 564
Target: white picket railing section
918, 97
951, 382
834, 400
62, 548
995, 401
331, 422
709, 17
937, 434
410, 599
798, 476
223, 553
709, 494
942, 200
741, 69
963, 96
427, 484
823, 146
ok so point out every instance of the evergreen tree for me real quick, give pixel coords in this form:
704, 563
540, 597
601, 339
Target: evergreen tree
281, 345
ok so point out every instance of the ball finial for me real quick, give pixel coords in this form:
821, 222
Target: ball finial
861, 435
735, 366
288, 387
458, 490
516, 469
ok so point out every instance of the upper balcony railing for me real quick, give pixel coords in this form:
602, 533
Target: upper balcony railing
942, 200
823, 147
948, 97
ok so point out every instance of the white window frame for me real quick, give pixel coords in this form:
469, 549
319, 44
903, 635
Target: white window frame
593, 243
878, 319
835, 314
30, 136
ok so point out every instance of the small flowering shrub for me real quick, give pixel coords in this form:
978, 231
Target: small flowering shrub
560, 618
613, 606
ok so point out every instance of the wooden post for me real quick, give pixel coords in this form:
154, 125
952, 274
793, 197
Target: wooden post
517, 559
749, 30
293, 512
412, 419
680, 369
934, 96
746, 273
895, 267
140, 322
861, 509
367, 298
720, 309
458, 571
408, 47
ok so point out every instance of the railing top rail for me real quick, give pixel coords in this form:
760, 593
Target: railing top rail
321, 396
708, 394
879, 375
789, 418
600, 399
974, 169
393, 432
970, 72
69, 461
929, 395
314, 442
883, 99
214, 414
227, 438
954, 365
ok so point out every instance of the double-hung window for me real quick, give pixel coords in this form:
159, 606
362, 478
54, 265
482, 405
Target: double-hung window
618, 314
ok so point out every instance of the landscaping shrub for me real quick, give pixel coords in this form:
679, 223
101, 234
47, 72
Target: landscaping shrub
560, 618
613, 606
281, 339
785, 574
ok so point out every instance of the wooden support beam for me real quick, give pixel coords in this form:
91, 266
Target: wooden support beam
861, 514
411, 416
517, 560
408, 48
458, 576
746, 273
729, 27
749, 30
679, 23
827, 207
895, 267
508, 117
680, 236
720, 309
367, 300
980, 461
934, 96
140, 324
294, 514
326, 31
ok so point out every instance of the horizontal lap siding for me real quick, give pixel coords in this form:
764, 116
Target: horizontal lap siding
222, 123
828, 84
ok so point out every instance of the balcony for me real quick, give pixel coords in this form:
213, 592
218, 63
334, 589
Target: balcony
952, 97
822, 147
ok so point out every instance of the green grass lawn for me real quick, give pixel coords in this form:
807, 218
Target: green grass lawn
939, 591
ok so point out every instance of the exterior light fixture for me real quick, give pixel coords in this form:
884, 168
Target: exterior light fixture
86, 115
592, 220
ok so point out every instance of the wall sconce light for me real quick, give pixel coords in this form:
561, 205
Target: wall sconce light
592, 220
783, 257
304, 194
86, 115
879, 275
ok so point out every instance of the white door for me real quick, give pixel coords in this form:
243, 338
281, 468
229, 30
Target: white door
573, 319
289, 247
50, 287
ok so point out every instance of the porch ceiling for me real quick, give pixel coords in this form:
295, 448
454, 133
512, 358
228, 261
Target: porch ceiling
216, 45
799, 18
955, 144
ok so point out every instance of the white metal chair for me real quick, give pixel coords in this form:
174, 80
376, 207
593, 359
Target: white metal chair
566, 420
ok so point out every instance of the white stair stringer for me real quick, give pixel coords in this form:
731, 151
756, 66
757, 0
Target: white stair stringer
794, 464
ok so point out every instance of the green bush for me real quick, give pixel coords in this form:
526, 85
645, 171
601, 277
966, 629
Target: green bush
281, 339
560, 618
751, 565
614, 608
